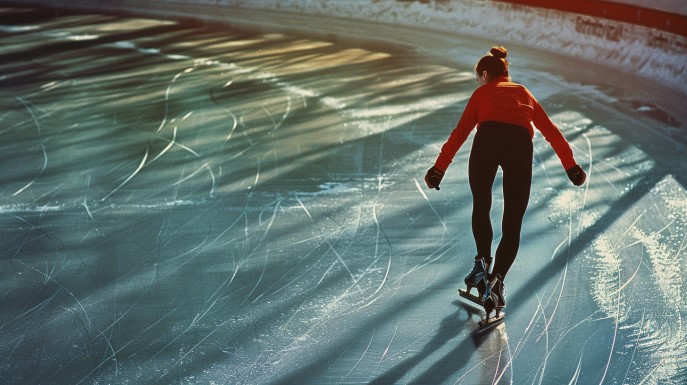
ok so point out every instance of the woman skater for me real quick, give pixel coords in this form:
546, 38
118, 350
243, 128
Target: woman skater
503, 113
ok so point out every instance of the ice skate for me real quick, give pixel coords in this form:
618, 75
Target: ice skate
494, 300
477, 278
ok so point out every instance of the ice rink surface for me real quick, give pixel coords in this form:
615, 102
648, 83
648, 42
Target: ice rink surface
185, 204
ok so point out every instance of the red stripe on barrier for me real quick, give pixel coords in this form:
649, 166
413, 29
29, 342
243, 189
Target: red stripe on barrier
647, 17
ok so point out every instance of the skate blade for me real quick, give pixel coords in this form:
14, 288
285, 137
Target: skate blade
491, 322
470, 297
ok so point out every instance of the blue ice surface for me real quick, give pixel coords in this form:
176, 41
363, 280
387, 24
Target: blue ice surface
189, 204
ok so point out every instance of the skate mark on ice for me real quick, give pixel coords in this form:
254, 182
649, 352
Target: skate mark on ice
140, 297
49, 278
200, 342
555, 252
45, 165
417, 184
544, 169
198, 317
651, 373
561, 280
209, 306
303, 207
590, 173
636, 345
172, 143
140, 166
576, 375
297, 277
59, 247
508, 366
615, 333
384, 353
196, 250
435, 256
361, 289
340, 260
204, 166
360, 359
496, 368
85, 200
388, 267
629, 228
546, 344
646, 238
233, 126
258, 245
386, 276
167, 92
114, 355
26, 105
262, 274
283, 327
38, 129
632, 277
481, 364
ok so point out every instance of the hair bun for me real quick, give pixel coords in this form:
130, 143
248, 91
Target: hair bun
499, 52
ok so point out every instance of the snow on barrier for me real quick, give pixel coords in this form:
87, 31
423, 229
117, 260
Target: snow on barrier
644, 49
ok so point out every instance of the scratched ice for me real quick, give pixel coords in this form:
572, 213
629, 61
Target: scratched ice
182, 204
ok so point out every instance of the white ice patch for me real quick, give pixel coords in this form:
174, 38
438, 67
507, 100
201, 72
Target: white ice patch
18, 28
606, 279
298, 90
177, 57
82, 37
58, 34
564, 204
332, 188
32, 208
563, 201
335, 103
656, 239
149, 51
24, 208
123, 44
572, 119
664, 262
587, 219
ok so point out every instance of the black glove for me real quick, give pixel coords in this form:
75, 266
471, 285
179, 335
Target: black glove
576, 175
433, 178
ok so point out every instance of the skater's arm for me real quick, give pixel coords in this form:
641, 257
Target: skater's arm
554, 136
465, 125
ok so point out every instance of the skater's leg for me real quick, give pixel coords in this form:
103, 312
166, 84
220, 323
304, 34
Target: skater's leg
482, 172
517, 180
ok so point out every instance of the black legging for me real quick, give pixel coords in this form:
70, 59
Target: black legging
509, 146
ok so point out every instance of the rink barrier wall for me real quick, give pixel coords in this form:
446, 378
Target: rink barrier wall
627, 13
654, 54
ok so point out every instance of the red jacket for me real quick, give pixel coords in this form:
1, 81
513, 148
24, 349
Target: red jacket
501, 100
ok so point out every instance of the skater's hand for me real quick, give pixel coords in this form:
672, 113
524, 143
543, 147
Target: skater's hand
576, 175
433, 178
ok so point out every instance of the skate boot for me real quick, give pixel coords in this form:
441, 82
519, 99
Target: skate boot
494, 297
478, 276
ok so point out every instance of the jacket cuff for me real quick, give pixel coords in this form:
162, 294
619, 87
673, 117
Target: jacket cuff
568, 163
442, 163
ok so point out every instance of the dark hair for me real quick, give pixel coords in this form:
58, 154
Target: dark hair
494, 63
